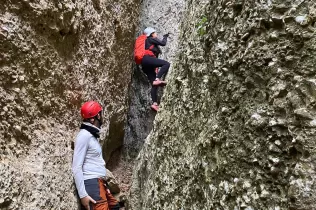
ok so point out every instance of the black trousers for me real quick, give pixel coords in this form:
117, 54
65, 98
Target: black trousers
149, 65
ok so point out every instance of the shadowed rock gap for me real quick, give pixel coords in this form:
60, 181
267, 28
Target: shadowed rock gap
165, 17
238, 113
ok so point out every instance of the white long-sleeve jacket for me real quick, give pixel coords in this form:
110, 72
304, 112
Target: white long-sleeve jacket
87, 162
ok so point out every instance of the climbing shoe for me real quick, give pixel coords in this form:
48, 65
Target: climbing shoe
154, 107
159, 82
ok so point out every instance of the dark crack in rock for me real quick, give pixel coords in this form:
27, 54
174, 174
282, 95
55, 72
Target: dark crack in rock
237, 125
55, 55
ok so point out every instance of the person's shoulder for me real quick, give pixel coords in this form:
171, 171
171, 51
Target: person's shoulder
84, 132
83, 135
151, 38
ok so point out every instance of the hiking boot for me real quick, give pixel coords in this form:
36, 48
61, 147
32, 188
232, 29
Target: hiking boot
154, 107
159, 82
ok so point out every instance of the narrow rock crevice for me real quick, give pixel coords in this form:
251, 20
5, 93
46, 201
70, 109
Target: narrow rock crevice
165, 17
237, 121
238, 112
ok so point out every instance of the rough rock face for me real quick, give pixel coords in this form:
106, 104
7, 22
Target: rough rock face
237, 126
55, 55
165, 17
140, 118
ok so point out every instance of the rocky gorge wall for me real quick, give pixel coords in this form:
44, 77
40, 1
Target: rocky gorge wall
55, 55
237, 124
164, 16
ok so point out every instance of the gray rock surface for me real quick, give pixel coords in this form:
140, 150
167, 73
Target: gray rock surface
237, 125
112, 182
55, 55
140, 117
165, 17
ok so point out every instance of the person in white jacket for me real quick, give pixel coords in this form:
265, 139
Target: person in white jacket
88, 164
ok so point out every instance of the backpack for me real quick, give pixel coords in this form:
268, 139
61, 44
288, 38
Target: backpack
139, 49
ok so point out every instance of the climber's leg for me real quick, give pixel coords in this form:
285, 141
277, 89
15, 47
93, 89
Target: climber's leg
152, 62
154, 93
164, 68
98, 192
149, 65
151, 74
113, 204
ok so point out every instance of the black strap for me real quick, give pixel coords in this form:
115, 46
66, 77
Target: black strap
92, 130
151, 47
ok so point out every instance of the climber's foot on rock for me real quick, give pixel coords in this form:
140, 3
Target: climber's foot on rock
154, 107
159, 82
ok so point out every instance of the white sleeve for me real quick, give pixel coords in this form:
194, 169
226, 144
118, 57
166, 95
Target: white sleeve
81, 147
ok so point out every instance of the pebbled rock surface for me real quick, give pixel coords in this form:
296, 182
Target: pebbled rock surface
140, 117
55, 55
237, 126
165, 17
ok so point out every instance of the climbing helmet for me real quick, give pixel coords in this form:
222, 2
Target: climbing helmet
148, 31
90, 109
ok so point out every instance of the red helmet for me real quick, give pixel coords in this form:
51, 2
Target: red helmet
90, 109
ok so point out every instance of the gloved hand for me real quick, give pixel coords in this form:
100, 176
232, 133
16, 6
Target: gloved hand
166, 35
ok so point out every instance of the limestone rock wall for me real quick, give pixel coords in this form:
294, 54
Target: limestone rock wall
164, 16
55, 55
237, 127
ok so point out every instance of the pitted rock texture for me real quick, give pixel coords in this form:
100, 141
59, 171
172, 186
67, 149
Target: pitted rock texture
237, 125
165, 17
140, 117
55, 55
